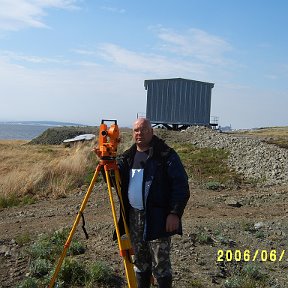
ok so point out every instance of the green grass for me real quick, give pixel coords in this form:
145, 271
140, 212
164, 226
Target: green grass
9, 201
29, 282
203, 237
282, 143
40, 267
23, 239
73, 272
28, 200
101, 273
44, 254
248, 227
207, 166
213, 185
196, 283
50, 246
14, 200
250, 276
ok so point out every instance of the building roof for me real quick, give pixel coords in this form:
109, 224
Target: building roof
175, 79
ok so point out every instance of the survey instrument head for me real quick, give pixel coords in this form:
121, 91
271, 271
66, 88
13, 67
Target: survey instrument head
108, 140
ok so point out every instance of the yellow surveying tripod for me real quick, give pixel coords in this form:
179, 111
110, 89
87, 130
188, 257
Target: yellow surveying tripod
106, 151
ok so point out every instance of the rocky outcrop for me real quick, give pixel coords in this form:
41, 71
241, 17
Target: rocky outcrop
250, 157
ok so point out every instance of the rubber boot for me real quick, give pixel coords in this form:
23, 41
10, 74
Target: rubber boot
143, 279
165, 282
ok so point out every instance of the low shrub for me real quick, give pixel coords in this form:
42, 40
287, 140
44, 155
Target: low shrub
100, 272
23, 239
72, 272
213, 185
40, 267
250, 276
29, 283
46, 250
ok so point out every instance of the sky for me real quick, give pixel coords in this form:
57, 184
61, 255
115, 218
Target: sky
85, 60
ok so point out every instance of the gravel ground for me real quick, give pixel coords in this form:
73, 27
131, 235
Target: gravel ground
248, 218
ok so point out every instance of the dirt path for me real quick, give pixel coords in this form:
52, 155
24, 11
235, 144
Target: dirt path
247, 218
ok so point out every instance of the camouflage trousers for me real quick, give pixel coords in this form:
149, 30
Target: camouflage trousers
149, 255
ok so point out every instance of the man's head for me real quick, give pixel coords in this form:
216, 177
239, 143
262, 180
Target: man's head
142, 133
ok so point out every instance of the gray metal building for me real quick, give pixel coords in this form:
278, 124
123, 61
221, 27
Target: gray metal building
177, 102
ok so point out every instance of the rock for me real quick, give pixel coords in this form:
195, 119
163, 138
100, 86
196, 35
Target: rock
233, 203
259, 225
4, 250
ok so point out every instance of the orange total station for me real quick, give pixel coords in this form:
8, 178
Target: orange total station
108, 140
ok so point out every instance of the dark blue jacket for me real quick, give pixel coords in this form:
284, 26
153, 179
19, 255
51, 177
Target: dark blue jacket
165, 187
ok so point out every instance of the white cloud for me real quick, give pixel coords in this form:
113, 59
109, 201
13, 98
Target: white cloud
193, 53
113, 9
195, 43
19, 14
147, 63
13, 57
84, 52
63, 4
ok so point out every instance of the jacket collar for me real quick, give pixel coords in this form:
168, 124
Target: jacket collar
158, 148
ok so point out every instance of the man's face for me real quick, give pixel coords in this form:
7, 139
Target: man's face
142, 133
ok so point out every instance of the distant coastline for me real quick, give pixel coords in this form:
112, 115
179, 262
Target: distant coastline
27, 130
41, 123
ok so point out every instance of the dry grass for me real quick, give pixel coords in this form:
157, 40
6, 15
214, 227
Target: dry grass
46, 170
42, 170
272, 135
274, 132
51, 170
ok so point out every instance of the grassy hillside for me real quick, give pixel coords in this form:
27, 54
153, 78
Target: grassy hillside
35, 171
56, 135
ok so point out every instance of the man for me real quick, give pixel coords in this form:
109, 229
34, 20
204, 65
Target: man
155, 192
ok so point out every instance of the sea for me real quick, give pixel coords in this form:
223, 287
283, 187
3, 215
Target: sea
20, 131
27, 130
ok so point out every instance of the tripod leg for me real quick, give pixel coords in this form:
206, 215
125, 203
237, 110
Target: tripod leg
124, 242
76, 222
118, 190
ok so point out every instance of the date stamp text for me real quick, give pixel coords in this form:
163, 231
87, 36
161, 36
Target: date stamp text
249, 255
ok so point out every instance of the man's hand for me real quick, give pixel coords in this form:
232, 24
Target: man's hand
172, 223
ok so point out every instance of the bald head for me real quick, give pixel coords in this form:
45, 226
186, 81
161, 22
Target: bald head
142, 133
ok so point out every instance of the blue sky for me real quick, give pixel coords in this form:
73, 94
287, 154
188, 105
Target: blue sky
81, 61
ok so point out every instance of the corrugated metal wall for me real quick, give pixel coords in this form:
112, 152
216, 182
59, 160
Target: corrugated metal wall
178, 101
